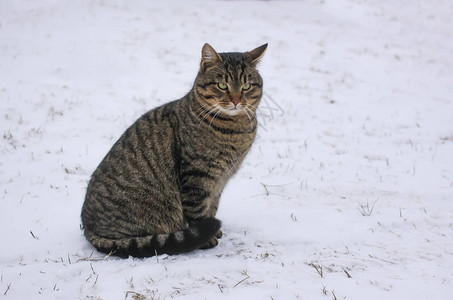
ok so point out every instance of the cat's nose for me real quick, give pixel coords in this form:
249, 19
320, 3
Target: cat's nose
236, 100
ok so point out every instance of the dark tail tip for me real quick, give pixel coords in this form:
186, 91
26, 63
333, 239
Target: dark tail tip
195, 236
209, 225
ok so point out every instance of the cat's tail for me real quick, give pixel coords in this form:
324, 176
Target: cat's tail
197, 235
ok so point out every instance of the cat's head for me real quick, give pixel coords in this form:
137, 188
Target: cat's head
229, 83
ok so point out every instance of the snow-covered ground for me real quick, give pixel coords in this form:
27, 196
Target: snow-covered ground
347, 193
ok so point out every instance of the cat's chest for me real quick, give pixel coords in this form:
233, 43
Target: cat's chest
212, 152
233, 146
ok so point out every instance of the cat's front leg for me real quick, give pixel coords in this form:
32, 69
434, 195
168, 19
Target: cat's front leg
199, 204
212, 211
198, 200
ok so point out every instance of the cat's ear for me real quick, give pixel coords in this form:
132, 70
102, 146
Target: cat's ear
257, 53
209, 56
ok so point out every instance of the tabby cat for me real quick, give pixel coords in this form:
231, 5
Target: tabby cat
157, 190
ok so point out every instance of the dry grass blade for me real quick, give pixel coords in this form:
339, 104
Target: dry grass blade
96, 280
318, 269
33, 235
265, 187
7, 289
244, 279
135, 295
241, 281
157, 256
347, 273
324, 290
365, 209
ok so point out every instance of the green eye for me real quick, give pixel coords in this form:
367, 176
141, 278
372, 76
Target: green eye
222, 86
246, 87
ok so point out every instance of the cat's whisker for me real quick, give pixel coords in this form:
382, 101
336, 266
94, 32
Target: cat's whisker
201, 110
247, 108
207, 113
218, 111
252, 108
250, 117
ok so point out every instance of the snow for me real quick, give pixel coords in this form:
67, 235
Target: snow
351, 175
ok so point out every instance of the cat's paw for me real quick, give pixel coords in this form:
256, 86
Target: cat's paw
211, 244
219, 234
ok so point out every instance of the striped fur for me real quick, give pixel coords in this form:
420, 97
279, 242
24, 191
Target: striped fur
158, 188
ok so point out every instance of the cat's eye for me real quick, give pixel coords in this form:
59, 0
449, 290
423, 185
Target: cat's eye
222, 86
246, 87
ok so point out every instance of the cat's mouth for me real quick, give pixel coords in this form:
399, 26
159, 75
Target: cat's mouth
233, 110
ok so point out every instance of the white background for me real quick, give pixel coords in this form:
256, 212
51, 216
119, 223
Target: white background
351, 175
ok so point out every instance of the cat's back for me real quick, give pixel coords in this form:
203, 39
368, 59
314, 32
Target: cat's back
150, 135
138, 171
